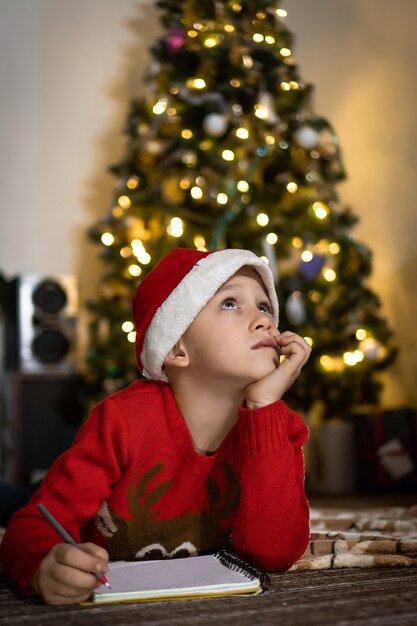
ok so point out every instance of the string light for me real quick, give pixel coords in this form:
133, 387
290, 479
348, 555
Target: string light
270, 39
307, 256
281, 12
124, 202
140, 252
196, 83
135, 270
285, 86
192, 33
131, 337
175, 227
262, 219
160, 106
349, 358
297, 242
359, 355
361, 334
196, 193
126, 252
243, 186
272, 238
261, 111
117, 211
326, 362
229, 28
352, 358
199, 241
133, 182
265, 259
210, 42
329, 274
285, 52
258, 37
320, 210
308, 340
222, 198
228, 155
186, 133
292, 187
127, 327
334, 248
242, 133
293, 84
107, 239
185, 183
270, 140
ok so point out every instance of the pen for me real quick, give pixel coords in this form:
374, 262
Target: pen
67, 538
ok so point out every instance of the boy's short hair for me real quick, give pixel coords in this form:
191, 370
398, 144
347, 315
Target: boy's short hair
176, 290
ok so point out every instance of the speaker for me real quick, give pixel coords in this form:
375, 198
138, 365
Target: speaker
41, 324
41, 416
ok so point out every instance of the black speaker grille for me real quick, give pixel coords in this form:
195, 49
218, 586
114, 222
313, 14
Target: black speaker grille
49, 297
50, 346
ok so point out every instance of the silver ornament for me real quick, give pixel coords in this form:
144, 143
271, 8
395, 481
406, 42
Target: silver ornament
295, 309
215, 124
307, 137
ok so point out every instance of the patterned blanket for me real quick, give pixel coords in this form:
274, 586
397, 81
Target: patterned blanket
380, 537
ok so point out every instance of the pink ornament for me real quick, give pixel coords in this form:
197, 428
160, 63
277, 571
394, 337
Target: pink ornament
175, 40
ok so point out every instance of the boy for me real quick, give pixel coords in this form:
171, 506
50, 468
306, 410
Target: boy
202, 455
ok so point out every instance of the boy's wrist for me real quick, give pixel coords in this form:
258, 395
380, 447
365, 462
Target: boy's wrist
252, 405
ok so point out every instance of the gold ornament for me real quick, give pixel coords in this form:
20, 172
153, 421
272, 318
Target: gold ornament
171, 190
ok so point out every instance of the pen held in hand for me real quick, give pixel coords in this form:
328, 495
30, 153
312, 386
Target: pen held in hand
67, 538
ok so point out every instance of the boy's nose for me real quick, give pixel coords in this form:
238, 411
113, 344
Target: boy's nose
262, 320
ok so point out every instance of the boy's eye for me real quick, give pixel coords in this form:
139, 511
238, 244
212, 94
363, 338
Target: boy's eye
265, 307
229, 304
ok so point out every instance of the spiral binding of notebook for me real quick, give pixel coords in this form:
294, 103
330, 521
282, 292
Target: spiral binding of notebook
233, 562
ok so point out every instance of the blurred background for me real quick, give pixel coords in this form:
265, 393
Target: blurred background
68, 71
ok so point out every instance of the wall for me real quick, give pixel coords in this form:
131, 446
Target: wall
69, 67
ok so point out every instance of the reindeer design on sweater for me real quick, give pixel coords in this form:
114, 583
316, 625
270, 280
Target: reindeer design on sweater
144, 536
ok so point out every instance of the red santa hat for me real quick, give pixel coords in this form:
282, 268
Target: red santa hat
176, 290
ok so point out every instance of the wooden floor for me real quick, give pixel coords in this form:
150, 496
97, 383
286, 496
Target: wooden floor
350, 597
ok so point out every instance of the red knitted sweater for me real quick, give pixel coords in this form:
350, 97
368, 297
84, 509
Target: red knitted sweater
133, 482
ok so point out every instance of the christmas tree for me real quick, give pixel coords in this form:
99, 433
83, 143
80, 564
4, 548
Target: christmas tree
224, 149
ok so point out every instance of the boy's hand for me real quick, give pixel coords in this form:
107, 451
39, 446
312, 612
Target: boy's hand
64, 576
273, 386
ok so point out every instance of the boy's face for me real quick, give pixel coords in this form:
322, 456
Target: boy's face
231, 339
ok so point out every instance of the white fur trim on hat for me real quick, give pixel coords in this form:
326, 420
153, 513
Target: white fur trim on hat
189, 297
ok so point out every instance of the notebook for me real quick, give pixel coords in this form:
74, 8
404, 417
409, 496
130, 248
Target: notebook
214, 575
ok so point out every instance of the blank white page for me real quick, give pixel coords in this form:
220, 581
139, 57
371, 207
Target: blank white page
173, 574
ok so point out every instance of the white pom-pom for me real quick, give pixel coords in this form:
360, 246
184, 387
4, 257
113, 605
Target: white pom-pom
215, 124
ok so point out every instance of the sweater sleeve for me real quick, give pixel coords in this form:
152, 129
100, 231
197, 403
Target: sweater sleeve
272, 525
72, 491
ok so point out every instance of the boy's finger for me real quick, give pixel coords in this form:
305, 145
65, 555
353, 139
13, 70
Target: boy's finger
80, 558
95, 550
71, 581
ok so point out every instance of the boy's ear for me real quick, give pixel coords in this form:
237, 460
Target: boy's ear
177, 356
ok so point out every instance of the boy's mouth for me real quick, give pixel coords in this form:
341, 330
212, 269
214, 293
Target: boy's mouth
267, 342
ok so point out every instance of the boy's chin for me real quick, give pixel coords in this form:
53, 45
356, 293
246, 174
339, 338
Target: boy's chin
264, 369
